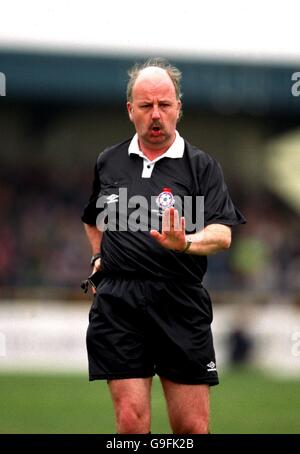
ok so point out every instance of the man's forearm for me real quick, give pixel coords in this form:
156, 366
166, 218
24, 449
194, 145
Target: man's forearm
213, 238
94, 236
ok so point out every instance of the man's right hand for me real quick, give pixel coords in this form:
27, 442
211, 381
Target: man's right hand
97, 267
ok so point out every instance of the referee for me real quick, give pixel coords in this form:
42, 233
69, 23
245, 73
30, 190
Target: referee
150, 312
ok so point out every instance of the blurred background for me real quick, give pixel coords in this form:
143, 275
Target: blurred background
62, 87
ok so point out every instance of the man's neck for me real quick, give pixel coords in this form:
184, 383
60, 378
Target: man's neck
151, 153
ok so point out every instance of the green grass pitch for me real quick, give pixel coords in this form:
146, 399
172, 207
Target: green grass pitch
246, 401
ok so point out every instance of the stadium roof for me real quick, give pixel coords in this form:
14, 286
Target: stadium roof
88, 79
235, 57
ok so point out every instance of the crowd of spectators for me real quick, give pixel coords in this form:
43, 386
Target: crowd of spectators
43, 191
43, 242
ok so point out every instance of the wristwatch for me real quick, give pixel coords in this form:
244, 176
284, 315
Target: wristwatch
94, 258
188, 245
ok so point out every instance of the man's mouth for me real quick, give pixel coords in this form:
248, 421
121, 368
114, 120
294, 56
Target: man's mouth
156, 130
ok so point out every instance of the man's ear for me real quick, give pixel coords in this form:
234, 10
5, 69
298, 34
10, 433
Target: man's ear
179, 109
129, 110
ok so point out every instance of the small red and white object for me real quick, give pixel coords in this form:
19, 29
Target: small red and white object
165, 199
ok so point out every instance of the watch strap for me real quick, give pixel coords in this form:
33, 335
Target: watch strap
188, 245
94, 258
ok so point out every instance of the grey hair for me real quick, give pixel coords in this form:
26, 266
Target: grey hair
159, 62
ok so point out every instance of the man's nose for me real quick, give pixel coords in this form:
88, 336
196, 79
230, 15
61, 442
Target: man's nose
155, 113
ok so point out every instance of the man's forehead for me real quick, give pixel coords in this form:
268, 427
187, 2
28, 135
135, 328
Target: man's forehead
153, 76
153, 71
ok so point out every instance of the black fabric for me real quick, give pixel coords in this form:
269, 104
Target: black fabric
138, 328
195, 174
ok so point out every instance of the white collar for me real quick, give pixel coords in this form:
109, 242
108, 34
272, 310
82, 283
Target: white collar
176, 150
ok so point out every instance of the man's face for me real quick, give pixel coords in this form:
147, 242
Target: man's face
154, 109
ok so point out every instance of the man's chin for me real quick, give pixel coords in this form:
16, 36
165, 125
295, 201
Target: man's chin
161, 138
156, 144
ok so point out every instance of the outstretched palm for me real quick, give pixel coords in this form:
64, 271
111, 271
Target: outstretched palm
173, 231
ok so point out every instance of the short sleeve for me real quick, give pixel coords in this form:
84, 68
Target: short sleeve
218, 206
90, 211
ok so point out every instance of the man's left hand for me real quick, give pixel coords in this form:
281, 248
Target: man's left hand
173, 231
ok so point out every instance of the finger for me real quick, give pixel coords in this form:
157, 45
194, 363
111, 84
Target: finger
172, 218
182, 219
177, 224
156, 235
166, 221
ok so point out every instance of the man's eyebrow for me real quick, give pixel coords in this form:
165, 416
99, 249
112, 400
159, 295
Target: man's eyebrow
144, 101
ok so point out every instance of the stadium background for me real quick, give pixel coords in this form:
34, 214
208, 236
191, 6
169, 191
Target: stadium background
60, 110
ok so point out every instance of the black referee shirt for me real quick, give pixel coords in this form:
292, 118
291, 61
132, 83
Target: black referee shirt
136, 253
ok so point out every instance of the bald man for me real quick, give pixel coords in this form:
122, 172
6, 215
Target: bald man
150, 313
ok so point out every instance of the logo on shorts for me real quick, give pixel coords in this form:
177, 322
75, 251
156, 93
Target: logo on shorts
211, 367
165, 199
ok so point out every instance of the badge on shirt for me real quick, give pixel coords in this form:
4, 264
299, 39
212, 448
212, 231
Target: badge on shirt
165, 200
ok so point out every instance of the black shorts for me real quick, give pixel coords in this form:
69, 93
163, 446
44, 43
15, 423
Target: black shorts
139, 328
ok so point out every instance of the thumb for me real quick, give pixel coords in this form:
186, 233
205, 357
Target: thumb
155, 234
